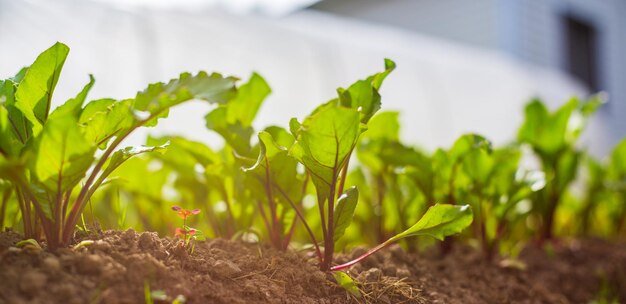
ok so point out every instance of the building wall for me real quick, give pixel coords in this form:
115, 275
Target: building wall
472, 22
536, 34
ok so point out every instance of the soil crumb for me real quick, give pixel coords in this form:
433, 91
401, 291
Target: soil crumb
126, 267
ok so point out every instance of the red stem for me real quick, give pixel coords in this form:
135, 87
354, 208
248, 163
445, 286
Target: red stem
361, 257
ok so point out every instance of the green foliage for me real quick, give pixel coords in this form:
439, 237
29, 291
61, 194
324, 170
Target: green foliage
439, 221
46, 156
324, 143
552, 137
297, 186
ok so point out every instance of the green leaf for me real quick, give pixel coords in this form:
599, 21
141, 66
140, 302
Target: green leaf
63, 155
549, 133
34, 94
183, 154
346, 204
20, 75
384, 125
324, 142
282, 137
618, 158
346, 282
159, 97
467, 143
122, 155
439, 221
31, 242
21, 127
363, 95
244, 107
282, 168
213, 88
74, 106
103, 119
9, 144
233, 120
235, 134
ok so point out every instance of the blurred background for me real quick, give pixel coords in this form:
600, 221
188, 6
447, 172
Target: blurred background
463, 65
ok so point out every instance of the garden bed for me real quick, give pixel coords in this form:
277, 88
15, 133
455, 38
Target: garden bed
121, 267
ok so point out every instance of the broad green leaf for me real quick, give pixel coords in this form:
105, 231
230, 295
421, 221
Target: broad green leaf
439, 221
9, 144
384, 125
103, 119
268, 149
467, 143
294, 126
74, 106
346, 204
159, 97
34, 94
214, 88
479, 165
20, 75
63, 155
578, 121
618, 158
346, 282
20, 126
122, 155
244, 107
549, 133
183, 154
233, 120
324, 142
363, 95
567, 167
282, 169
281, 136
235, 134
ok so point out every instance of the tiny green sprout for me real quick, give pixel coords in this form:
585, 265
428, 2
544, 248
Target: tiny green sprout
84, 243
185, 232
29, 245
347, 283
31, 242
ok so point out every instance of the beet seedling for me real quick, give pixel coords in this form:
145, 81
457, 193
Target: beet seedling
51, 158
324, 143
552, 136
185, 232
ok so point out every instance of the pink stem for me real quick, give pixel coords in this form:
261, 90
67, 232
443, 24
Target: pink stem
362, 257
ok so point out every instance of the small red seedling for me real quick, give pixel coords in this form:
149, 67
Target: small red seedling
187, 233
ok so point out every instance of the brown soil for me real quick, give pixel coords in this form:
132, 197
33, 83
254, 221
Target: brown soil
120, 266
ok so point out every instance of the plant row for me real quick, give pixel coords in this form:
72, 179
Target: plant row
339, 177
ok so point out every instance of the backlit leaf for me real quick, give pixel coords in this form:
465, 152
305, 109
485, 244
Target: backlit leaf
34, 94
346, 204
439, 221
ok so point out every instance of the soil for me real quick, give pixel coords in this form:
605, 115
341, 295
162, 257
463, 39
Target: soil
122, 266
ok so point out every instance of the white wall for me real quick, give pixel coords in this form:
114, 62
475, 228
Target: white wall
442, 89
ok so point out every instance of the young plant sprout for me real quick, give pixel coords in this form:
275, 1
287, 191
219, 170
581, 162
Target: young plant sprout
185, 232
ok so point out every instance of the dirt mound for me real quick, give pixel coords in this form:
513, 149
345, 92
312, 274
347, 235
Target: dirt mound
120, 267
580, 271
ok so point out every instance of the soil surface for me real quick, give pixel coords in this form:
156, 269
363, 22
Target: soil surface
124, 266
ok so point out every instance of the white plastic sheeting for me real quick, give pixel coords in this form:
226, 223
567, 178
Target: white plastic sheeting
441, 89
